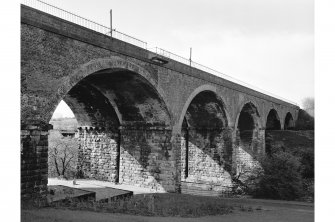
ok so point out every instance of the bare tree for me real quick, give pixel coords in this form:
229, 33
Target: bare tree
62, 155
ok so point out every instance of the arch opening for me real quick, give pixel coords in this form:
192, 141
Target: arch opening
247, 125
249, 143
206, 142
288, 124
272, 124
62, 144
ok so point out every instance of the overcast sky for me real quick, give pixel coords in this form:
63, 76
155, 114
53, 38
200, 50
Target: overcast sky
266, 43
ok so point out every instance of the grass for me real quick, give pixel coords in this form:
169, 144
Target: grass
156, 205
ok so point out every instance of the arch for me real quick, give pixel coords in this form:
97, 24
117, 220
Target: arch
136, 99
288, 123
206, 137
247, 129
192, 96
91, 107
256, 117
206, 111
112, 63
272, 121
99, 98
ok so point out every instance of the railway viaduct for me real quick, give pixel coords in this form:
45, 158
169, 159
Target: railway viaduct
162, 125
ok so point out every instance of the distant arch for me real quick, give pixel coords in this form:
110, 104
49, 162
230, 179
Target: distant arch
273, 120
206, 133
251, 108
289, 123
196, 92
272, 123
247, 128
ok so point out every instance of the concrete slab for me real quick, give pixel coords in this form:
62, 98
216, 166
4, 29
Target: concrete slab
104, 190
60, 192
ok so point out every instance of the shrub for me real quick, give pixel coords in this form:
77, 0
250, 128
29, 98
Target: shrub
281, 178
304, 121
307, 163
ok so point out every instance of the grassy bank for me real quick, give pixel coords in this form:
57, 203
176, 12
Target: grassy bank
167, 204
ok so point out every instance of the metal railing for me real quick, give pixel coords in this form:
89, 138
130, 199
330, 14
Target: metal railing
71, 17
189, 62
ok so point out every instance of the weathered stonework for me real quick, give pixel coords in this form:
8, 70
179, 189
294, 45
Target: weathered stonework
97, 154
209, 159
147, 159
34, 161
246, 153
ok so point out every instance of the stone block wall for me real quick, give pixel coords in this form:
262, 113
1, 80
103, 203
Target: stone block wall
97, 154
209, 159
34, 161
247, 148
147, 158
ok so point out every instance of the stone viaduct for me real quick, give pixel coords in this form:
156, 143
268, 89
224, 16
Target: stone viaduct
163, 126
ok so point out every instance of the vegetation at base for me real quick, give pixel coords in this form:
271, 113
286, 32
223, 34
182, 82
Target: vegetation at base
166, 204
305, 121
281, 178
288, 170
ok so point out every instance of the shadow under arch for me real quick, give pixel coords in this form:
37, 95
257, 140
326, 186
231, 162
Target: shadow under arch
247, 125
273, 120
249, 141
206, 146
272, 124
289, 122
96, 65
194, 94
256, 117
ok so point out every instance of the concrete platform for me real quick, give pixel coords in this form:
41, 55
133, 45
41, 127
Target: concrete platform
104, 191
60, 193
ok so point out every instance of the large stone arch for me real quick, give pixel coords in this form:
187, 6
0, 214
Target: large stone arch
272, 126
195, 92
138, 142
93, 66
273, 120
144, 146
288, 121
257, 119
206, 142
248, 140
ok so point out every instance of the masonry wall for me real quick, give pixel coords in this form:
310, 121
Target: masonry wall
146, 157
247, 148
34, 161
209, 160
97, 154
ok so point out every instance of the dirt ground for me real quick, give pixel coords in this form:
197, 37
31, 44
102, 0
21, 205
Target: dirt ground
269, 212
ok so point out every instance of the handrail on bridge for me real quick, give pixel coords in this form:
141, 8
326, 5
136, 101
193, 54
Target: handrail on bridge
66, 15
